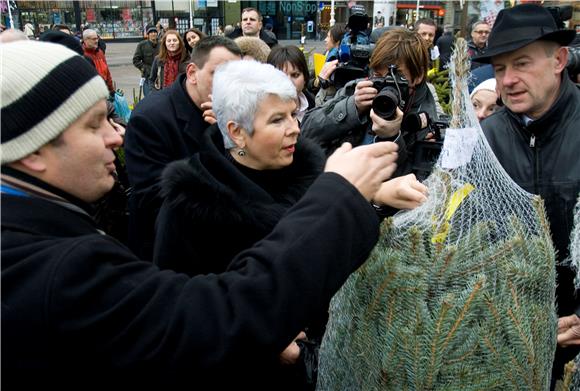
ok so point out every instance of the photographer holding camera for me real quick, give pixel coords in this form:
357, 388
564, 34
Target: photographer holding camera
371, 109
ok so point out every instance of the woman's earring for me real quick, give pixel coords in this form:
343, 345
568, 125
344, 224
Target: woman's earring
241, 152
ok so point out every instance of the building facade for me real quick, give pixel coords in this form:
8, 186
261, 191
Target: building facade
122, 19
291, 20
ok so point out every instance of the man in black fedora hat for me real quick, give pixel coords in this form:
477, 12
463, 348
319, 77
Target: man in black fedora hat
536, 135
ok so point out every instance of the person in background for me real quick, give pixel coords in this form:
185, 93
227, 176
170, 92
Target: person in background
269, 30
191, 37
228, 30
62, 27
253, 48
94, 52
79, 308
427, 28
160, 30
379, 20
323, 85
290, 60
333, 40
167, 126
445, 44
252, 27
29, 30
144, 55
535, 138
170, 62
477, 45
484, 99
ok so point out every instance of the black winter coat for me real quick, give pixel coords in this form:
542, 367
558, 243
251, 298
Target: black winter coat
144, 55
80, 311
542, 158
214, 208
164, 127
271, 41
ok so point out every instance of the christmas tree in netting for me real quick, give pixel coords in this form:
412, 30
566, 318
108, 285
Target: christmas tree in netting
459, 293
575, 260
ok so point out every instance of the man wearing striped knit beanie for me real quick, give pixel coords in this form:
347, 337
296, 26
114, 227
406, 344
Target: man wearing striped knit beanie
80, 311
53, 110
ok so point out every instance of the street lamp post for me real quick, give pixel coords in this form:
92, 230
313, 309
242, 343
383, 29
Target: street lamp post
10, 14
332, 21
190, 15
417, 12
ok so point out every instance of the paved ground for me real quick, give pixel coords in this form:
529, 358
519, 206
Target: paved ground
126, 76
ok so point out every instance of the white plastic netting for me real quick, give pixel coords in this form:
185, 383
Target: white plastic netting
575, 260
459, 293
575, 244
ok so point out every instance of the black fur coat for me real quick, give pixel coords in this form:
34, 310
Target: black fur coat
214, 208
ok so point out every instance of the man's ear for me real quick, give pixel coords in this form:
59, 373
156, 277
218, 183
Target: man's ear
35, 162
561, 57
236, 133
191, 73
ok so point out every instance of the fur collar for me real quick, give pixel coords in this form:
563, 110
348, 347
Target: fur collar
209, 189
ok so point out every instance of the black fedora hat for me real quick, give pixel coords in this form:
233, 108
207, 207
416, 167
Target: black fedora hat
521, 25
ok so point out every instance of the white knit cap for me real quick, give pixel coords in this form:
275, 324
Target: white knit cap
45, 88
488, 84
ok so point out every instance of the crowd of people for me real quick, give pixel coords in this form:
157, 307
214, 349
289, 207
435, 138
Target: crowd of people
253, 189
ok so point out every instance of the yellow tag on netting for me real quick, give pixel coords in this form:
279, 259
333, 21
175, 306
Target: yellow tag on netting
456, 199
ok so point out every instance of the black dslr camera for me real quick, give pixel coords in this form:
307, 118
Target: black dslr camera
393, 92
416, 126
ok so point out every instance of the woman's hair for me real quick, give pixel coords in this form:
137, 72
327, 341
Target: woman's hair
197, 32
337, 32
238, 89
401, 46
280, 55
163, 53
254, 47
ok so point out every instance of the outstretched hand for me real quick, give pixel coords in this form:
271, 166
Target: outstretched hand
404, 192
365, 167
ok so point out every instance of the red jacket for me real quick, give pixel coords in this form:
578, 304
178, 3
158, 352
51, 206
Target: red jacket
98, 57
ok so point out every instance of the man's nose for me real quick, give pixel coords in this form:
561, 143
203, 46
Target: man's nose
509, 77
112, 138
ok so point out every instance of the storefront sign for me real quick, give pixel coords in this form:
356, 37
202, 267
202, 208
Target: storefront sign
298, 7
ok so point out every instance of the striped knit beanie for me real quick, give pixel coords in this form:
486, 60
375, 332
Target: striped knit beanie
45, 88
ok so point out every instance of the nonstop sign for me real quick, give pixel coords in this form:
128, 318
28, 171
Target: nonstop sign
298, 8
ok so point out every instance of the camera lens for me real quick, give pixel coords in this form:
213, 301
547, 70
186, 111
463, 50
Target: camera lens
385, 103
414, 122
573, 61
